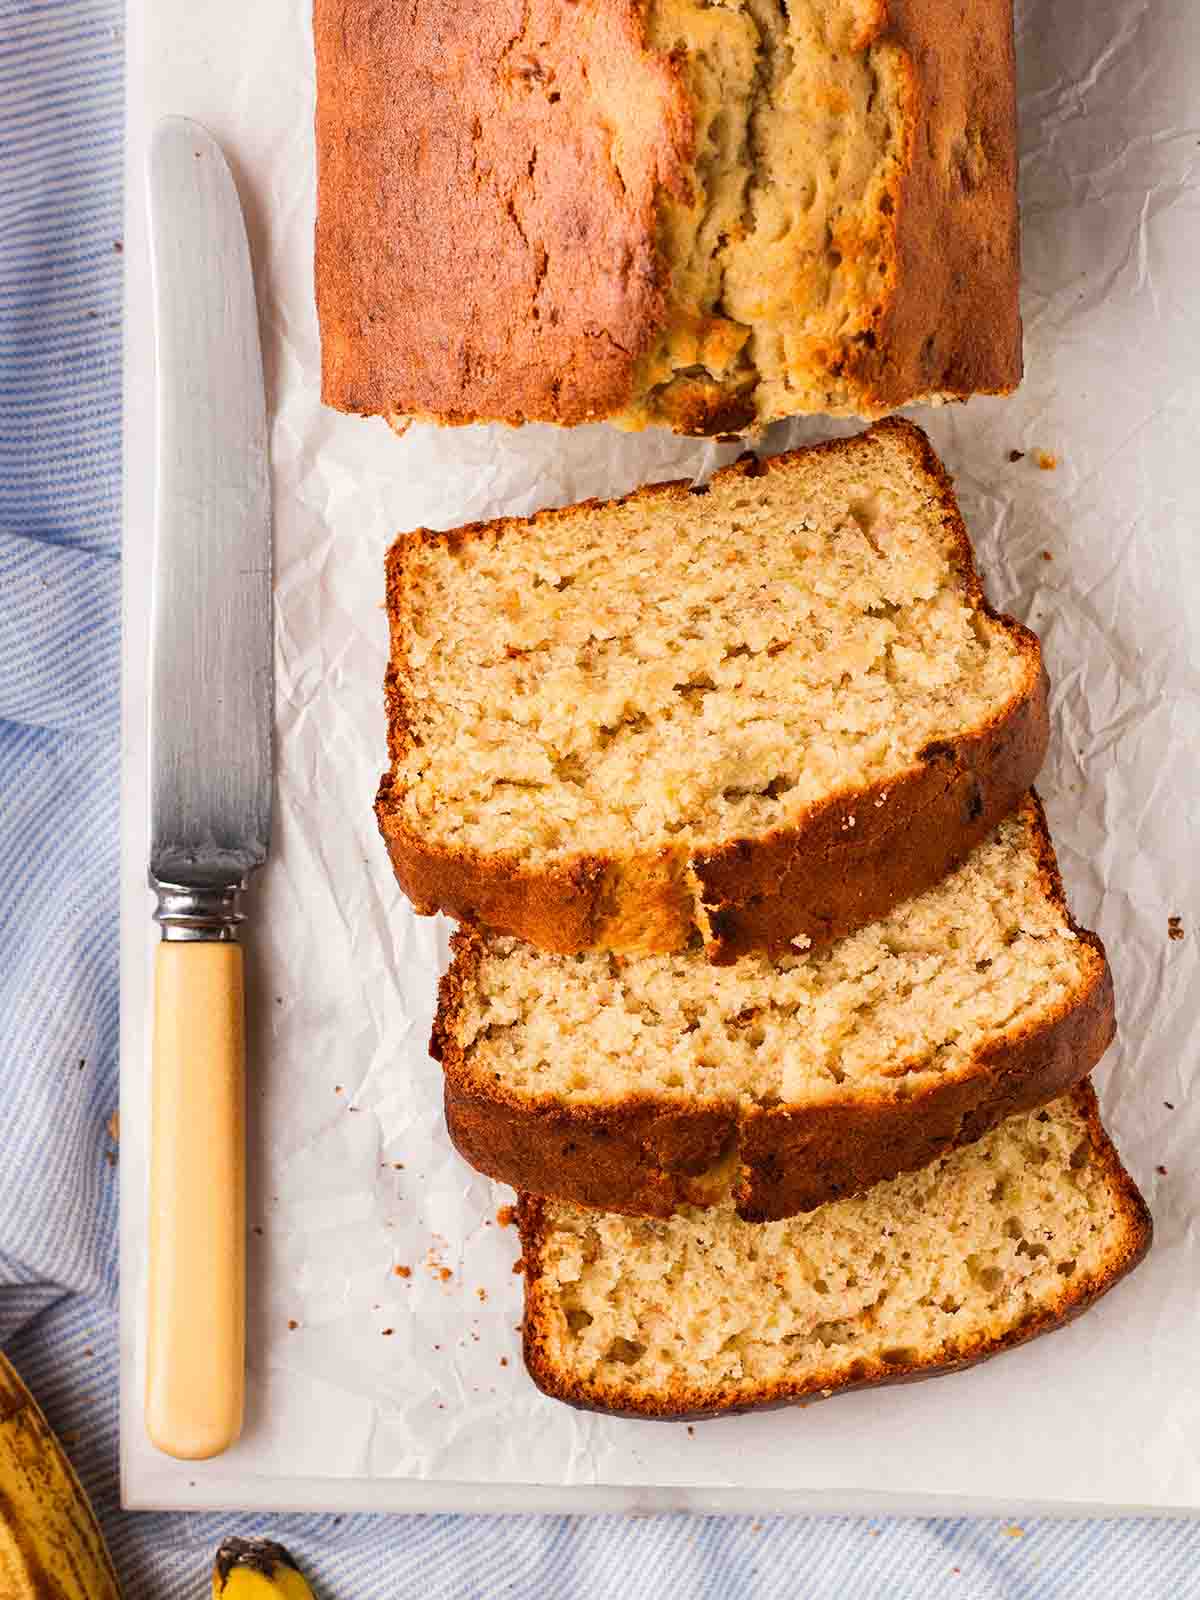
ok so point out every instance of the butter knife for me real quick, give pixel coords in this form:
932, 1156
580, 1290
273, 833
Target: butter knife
210, 778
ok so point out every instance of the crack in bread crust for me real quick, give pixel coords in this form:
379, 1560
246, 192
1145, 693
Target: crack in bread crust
562, 151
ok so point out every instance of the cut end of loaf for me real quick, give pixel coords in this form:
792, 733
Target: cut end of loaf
702, 1313
702, 216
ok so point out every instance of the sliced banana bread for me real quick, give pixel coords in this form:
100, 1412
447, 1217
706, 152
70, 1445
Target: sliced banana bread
664, 211
766, 710
704, 1313
642, 1083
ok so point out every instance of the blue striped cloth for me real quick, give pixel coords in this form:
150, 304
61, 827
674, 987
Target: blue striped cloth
60, 349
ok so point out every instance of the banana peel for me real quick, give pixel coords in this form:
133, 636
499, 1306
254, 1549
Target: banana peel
51, 1547
50, 1541
257, 1569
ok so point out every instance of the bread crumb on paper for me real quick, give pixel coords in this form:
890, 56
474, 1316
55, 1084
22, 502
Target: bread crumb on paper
1015, 1531
403, 1272
506, 1216
1174, 927
1046, 460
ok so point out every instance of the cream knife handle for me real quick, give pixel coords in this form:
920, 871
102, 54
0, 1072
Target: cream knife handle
196, 1342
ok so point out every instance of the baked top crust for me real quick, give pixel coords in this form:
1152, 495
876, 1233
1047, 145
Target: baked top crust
537, 211
487, 182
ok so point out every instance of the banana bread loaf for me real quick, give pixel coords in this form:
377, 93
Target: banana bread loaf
767, 711
642, 1083
703, 1313
675, 212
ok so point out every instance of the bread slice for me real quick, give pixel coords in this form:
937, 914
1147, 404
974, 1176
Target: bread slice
644, 1083
664, 211
765, 710
704, 1313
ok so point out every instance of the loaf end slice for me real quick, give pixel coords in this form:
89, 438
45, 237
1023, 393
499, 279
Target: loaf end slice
678, 213
646, 1083
704, 1314
762, 711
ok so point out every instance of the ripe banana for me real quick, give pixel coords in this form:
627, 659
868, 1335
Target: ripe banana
257, 1569
50, 1543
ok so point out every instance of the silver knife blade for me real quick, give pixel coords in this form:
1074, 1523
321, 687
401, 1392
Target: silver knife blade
212, 686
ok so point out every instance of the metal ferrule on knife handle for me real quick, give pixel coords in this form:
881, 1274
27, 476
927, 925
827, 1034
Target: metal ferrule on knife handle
191, 915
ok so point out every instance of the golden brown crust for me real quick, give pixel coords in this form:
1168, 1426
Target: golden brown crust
1078, 1293
950, 324
649, 1154
846, 863
489, 180
859, 855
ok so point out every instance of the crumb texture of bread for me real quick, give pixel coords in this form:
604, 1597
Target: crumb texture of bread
902, 1001
655, 680
702, 215
702, 1312
802, 1077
